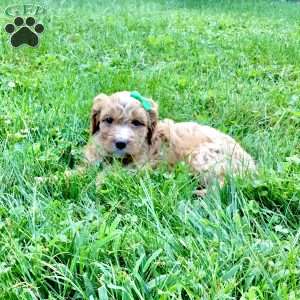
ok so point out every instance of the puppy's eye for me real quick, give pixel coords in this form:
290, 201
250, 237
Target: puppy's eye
137, 123
108, 120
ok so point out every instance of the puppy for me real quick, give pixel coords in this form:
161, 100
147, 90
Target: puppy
122, 128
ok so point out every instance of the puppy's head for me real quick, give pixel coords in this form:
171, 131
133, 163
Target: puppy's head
121, 125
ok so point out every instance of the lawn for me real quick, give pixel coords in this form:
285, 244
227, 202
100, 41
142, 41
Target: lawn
234, 65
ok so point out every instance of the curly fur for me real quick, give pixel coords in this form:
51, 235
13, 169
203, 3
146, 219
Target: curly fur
209, 152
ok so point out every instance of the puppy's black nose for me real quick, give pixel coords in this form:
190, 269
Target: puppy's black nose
121, 145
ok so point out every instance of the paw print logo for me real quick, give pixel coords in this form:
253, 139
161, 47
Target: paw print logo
22, 33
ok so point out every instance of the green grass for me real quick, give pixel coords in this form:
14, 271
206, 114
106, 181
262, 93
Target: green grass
234, 65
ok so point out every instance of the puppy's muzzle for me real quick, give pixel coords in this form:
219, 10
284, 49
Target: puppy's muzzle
121, 145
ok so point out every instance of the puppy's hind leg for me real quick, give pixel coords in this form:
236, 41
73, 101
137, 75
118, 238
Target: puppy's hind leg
207, 181
200, 192
210, 165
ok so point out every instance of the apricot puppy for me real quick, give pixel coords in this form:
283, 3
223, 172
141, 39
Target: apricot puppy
123, 127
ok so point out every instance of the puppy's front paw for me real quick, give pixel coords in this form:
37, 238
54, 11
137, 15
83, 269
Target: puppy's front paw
101, 177
80, 170
100, 180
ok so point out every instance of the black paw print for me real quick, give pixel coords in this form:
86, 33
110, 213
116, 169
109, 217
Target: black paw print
26, 33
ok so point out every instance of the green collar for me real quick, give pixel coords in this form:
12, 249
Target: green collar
144, 101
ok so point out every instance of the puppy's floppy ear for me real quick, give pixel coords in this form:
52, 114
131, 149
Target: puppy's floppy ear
96, 110
153, 114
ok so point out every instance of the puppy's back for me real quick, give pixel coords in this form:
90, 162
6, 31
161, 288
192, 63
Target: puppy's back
194, 142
